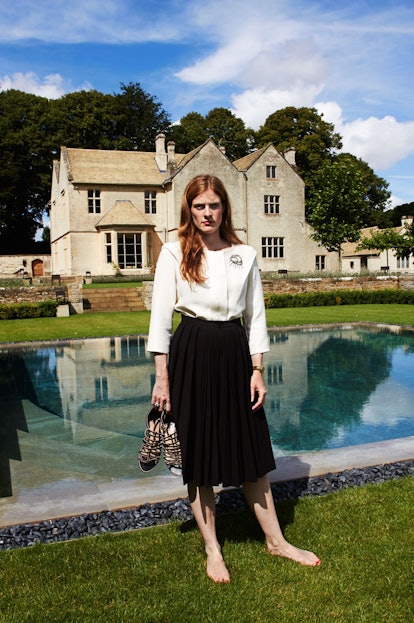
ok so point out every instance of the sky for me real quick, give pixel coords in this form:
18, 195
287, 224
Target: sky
353, 60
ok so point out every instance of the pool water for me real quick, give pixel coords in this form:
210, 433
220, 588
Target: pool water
79, 406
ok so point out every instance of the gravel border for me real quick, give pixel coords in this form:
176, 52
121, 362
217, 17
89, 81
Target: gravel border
228, 500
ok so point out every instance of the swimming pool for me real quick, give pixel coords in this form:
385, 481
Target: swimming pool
76, 409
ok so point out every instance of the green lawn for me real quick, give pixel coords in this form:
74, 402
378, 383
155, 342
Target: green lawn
136, 323
111, 285
364, 537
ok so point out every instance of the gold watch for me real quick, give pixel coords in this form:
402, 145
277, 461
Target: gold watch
260, 368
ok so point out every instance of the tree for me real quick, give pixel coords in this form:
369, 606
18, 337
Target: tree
229, 131
401, 242
314, 139
84, 119
221, 125
337, 205
396, 214
26, 153
139, 117
189, 133
376, 192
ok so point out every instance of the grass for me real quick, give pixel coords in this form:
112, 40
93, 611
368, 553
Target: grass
136, 323
110, 285
157, 575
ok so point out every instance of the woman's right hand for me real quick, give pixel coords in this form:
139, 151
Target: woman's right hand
161, 389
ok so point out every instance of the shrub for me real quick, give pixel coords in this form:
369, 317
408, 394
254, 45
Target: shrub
44, 309
340, 297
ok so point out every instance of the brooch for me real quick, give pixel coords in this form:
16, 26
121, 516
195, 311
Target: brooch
236, 260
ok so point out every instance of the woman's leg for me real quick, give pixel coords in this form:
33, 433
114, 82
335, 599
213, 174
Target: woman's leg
260, 499
204, 510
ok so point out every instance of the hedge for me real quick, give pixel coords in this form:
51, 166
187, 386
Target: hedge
339, 297
44, 309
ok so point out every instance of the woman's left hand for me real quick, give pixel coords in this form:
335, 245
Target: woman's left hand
257, 390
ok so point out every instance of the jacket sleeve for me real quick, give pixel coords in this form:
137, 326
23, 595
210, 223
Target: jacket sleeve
254, 316
163, 302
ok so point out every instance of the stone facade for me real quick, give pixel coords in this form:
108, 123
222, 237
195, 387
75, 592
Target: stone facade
31, 266
112, 211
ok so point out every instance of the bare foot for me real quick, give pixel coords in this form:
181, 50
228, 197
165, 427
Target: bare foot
216, 568
303, 557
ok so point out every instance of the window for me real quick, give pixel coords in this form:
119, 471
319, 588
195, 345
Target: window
101, 389
275, 374
94, 201
271, 172
271, 204
108, 247
129, 251
150, 202
320, 262
272, 247
403, 262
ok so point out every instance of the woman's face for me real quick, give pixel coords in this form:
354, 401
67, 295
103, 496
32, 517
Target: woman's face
207, 212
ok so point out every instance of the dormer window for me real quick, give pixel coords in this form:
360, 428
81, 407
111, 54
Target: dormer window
94, 201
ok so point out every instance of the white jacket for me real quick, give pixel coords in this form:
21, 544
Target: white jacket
233, 289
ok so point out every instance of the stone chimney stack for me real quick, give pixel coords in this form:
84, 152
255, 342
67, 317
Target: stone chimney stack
290, 156
406, 221
160, 153
171, 164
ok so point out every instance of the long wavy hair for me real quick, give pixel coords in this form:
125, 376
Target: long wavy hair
188, 234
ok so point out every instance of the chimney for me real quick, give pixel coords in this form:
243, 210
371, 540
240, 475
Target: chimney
160, 153
171, 164
290, 156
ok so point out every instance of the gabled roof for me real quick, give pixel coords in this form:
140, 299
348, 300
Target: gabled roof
123, 213
100, 166
242, 164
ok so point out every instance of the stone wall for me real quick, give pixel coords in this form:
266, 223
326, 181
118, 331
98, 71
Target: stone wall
296, 286
31, 294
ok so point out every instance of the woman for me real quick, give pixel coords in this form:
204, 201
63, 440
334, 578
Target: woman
209, 374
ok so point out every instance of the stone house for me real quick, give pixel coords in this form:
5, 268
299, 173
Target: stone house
373, 260
113, 210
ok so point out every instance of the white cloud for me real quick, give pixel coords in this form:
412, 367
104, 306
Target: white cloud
255, 105
52, 86
380, 142
103, 21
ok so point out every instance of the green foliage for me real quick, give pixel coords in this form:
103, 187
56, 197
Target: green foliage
26, 153
401, 242
44, 309
138, 118
337, 205
221, 125
340, 297
396, 214
376, 192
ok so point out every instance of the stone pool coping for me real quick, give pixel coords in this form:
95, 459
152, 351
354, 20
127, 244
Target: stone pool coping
75, 497
227, 500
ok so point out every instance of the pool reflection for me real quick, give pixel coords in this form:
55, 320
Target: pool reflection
79, 406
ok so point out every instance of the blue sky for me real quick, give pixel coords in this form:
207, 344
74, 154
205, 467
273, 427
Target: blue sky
352, 60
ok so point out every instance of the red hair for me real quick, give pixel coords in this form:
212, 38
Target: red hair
189, 236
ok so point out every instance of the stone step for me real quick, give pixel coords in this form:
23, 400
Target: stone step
112, 299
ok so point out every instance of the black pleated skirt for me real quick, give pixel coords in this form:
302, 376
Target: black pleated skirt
222, 440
